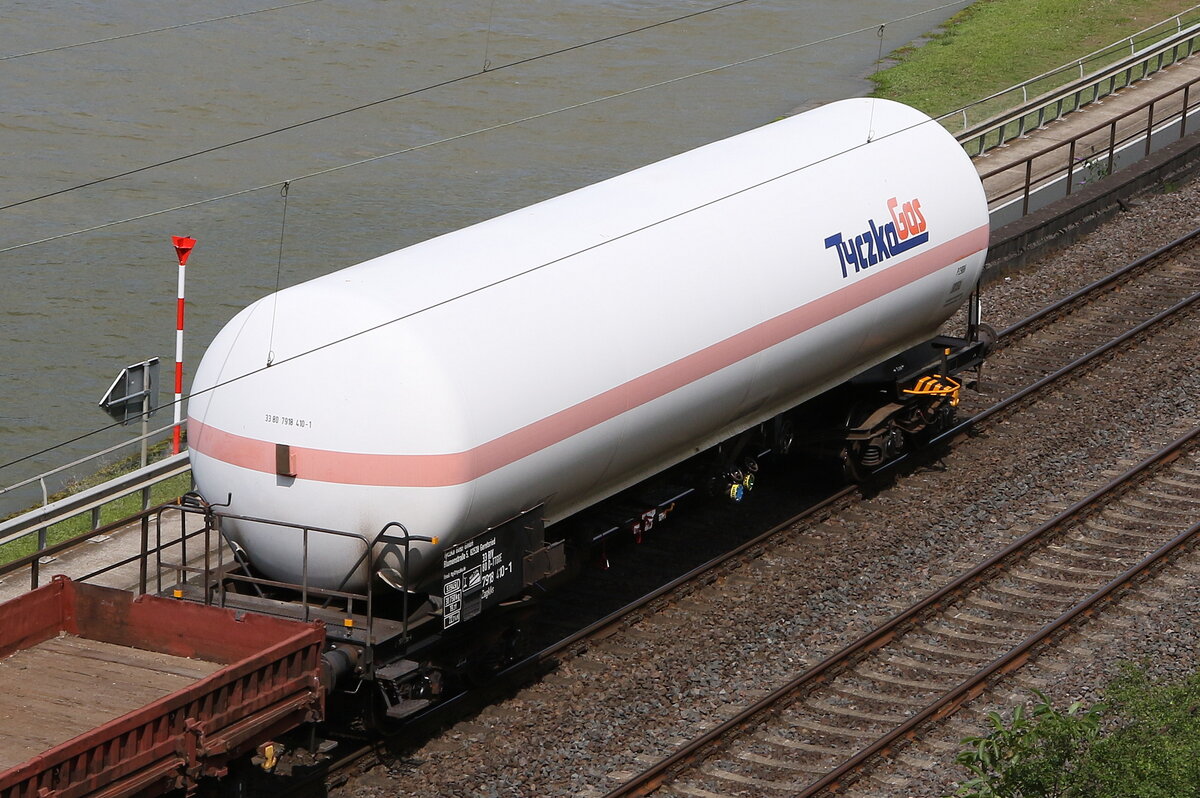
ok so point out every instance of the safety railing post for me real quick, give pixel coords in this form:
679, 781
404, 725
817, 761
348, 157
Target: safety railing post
1184, 113
143, 564
35, 566
183, 555
1070, 165
1149, 126
304, 577
1028, 183
158, 560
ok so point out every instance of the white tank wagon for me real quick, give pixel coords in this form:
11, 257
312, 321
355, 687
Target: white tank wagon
552, 356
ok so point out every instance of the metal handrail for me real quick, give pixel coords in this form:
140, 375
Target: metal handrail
1071, 163
1058, 102
41, 478
310, 595
1096, 55
91, 498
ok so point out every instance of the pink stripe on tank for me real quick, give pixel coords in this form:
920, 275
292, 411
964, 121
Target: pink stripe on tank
440, 470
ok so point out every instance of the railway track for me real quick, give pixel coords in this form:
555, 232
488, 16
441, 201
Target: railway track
817, 731
808, 736
1048, 340
757, 559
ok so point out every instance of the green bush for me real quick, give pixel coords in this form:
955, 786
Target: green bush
1144, 742
1153, 749
1035, 753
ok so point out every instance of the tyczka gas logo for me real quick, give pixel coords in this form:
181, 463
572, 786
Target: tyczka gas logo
879, 242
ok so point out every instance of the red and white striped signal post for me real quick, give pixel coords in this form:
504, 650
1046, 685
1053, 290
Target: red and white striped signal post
183, 248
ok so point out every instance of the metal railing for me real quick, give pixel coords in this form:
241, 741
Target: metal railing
200, 578
1054, 170
41, 480
1011, 113
39, 520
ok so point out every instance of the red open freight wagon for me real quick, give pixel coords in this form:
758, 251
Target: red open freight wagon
110, 695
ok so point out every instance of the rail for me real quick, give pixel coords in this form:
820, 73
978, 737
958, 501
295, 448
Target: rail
654, 776
41, 479
1013, 659
198, 578
1004, 121
703, 745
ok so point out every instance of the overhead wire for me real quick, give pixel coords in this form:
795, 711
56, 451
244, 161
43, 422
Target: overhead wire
120, 36
335, 114
467, 134
532, 269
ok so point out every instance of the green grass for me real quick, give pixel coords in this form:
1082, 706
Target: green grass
994, 44
114, 510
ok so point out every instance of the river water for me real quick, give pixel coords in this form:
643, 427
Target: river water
76, 308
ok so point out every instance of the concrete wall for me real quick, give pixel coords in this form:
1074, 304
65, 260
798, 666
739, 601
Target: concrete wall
1065, 221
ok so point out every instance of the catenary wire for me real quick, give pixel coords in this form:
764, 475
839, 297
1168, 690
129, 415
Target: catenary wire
155, 30
298, 355
371, 104
459, 136
477, 289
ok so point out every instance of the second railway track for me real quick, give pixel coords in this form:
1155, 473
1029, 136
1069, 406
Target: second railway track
809, 736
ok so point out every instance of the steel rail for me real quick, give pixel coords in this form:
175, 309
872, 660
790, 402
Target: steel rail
651, 778
1074, 365
1014, 659
1020, 326
965, 427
